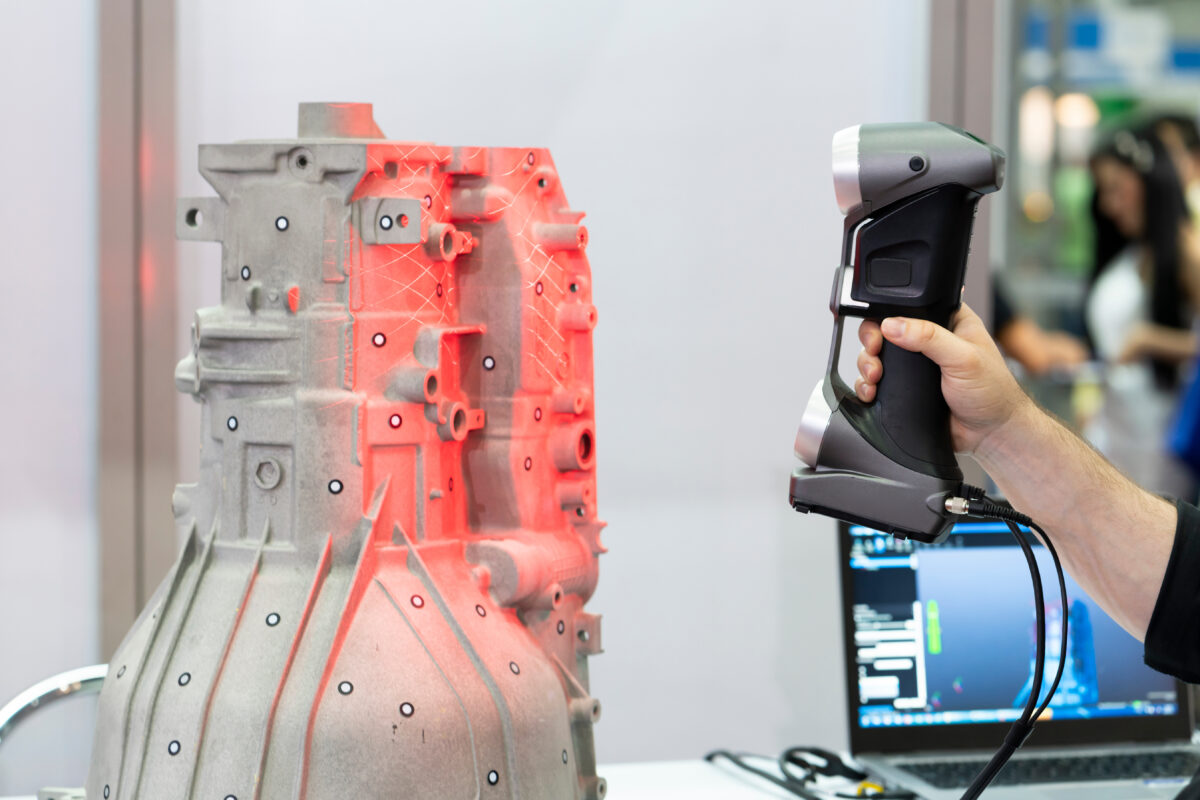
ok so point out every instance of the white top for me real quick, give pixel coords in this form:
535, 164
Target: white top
1118, 303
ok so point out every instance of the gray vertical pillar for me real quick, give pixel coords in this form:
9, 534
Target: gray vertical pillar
962, 73
136, 452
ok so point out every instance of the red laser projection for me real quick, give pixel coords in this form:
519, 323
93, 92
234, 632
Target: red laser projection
394, 534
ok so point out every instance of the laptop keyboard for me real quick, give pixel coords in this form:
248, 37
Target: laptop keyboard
1059, 769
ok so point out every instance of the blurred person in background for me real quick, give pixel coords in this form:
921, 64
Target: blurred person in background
1140, 309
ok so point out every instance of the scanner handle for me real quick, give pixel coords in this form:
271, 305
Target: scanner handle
911, 409
910, 259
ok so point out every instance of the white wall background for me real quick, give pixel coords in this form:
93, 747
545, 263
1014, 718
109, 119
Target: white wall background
697, 137
48, 567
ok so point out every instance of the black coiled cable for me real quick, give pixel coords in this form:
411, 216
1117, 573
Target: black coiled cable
978, 505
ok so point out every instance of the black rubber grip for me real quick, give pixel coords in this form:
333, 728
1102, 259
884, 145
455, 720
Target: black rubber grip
910, 408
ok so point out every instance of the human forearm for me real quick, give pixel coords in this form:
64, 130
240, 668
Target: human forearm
1160, 342
1114, 537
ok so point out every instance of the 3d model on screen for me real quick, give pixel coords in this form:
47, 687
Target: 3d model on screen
394, 533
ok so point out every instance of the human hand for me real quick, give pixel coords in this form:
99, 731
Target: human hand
1137, 344
1064, 351
979, 389
1040, 351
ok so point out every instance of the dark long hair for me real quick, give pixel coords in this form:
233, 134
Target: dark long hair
1164, 212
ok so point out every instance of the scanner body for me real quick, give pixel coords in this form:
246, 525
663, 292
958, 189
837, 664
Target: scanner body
909, 193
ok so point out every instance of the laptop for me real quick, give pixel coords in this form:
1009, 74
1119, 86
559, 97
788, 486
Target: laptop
939, 644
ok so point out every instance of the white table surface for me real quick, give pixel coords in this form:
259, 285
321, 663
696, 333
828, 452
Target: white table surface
669, 780
677, 780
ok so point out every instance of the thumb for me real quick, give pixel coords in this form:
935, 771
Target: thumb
922, 336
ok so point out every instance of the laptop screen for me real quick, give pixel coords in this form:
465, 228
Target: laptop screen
941, 638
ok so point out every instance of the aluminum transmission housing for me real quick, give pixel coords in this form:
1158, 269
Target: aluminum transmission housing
386, 558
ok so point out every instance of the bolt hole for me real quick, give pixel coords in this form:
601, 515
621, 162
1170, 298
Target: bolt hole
302, 162
541, 183
431, 385
194, 218
391, 170
402, 220
460, 420
448, 244
584, 448
574, 287
583, 635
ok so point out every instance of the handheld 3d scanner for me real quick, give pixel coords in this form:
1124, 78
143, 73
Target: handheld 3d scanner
909, 192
